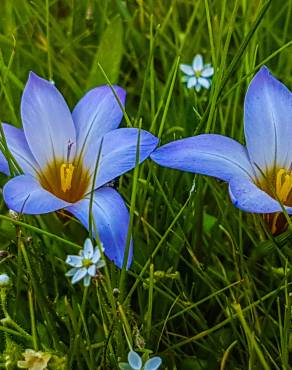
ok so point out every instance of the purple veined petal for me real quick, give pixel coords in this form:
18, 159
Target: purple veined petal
192, 81
71, 272
74, 261
118, 154
87, 280
88, 249
187, 69
97, 113
207, 72
204, 82
47, 121
19, 148
153, 363
91, 270
111, 218
248, 197
267, 120
96, 255
80, 274
198, 63
24, 194
134, 360
207, 154
4, 168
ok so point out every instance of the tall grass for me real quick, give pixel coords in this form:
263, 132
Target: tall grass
209, 288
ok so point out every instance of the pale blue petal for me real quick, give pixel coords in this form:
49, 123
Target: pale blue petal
198, 63
24, 194
91, 270
207, 154
18, 147
119, 150
248, 197
97, 113
87, 280
192, 82
111, 218
207, 72
99, 264
47, 121
71, 272
187, 69
198, 87
204, 82
153, 363
134, 360
96, 255
75, 261
80, 274
88, 249
268, 122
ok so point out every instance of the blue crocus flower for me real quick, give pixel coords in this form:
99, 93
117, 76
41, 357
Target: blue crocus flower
135, 362
260, 174
58, 152
85, 265
198, 74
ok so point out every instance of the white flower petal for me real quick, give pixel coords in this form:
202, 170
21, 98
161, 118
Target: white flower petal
74, 261
71, 272
96, 255
198, 63
187, 69
87, 249
204, 82
80, 274
87, 280
91, 270
207, 72
192, 82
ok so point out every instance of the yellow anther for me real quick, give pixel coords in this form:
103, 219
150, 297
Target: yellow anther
66, 174
283, 185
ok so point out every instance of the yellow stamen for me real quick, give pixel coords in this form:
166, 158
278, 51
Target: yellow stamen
283, 185
66, 174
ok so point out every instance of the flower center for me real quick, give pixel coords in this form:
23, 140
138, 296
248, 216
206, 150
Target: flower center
87, 262
283, 185
198, 74
68, 181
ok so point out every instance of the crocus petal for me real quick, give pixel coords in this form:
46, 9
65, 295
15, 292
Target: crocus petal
18, 147
187, 69
248, 197
207, 72
134, 360
74, 261
204, 82
153, 363
198, 63
97, 113
4, 168
24, 194
80, 274
86, 281
88, 249
207, 154
267, 119
111, 219
47, 121
119, 149
91, 270
71, 272
192, 82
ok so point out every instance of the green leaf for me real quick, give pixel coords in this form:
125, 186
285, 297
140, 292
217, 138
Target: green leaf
109, 55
